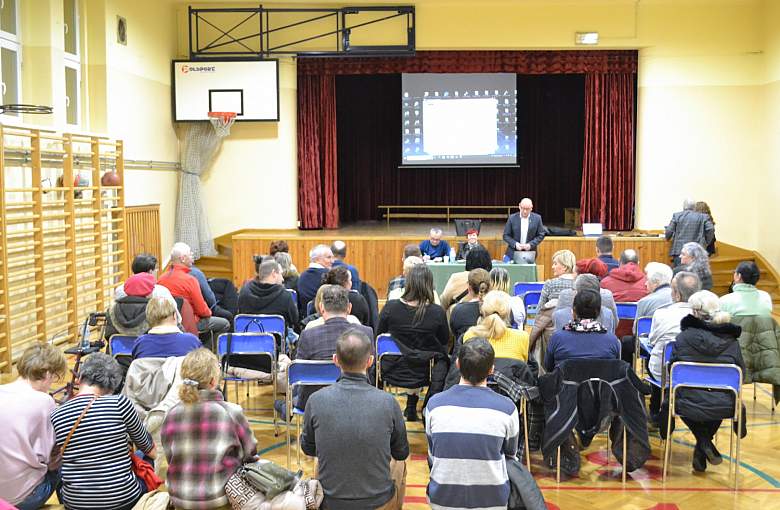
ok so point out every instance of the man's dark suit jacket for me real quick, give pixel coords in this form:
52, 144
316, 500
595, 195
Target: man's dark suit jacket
512, 232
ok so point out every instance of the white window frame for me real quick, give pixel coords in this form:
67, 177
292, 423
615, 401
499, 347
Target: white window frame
73, 61
12, 42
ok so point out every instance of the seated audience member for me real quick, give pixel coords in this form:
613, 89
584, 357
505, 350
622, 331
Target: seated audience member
397, 291
341, 276
694, 259
564, 312
310, 280
745, 298
665, 328
627, 282
143, 264
499, 280
563, 262
266, 294
199, 465
127, 315
315, 319
466, 313
410, 250
472, 241
289, 273
493, 325
339, 249
706, 336
659, 278
28, 472
371, 471
182, 284
164, 339
457, 285
181, 253
584, 336
604, 252
281, 247
420, 327
471, 425
659, 289
320, 343
702, 207
434, 248
96, 471
596, 267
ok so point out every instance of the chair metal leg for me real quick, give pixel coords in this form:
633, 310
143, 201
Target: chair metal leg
298, 439
625, 448
288, 402
754, 391
274, 377
525, 434
668, 446
558, 467
739, 433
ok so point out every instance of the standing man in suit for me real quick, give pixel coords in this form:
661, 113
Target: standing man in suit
688, 226
523, 233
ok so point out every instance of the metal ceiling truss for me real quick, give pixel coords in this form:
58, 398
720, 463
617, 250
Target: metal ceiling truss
244, 33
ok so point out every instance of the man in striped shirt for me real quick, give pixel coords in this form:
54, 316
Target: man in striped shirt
471, 430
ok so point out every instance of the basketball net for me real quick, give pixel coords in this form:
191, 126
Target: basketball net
222, 122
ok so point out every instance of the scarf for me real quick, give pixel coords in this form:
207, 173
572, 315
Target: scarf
585, 326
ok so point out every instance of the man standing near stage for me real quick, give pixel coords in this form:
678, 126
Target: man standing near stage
523, 233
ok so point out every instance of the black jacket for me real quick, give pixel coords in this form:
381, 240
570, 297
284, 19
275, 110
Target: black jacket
705, 342
359, 308
267, 298
226, 294
571, 401
368, 292
127, 316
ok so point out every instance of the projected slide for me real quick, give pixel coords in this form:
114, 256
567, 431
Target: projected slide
459, 119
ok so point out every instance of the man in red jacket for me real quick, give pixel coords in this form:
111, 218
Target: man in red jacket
627, 282
178, 280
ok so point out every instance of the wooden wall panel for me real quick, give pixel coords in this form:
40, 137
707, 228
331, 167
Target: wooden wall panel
143, 231
378, 258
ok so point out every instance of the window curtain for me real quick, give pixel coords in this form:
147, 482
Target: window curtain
608, 166
317, 169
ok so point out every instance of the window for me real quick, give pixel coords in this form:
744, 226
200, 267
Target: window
10, 53
72, 62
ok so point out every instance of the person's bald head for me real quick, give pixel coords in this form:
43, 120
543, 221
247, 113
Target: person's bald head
526, 206
354, 351
629, 256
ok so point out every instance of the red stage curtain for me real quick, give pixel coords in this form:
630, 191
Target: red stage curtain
317, 168
608, 161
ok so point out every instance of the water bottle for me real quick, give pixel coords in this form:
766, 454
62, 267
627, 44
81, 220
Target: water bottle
85, 336
452, 254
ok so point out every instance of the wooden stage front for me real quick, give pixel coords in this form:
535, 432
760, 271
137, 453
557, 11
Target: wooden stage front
376, 249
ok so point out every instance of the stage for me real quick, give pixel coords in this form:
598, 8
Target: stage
376, 248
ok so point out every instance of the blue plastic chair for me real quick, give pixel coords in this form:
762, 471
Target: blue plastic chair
306, 373
531, 301
663, 383
262, 323
626, 311
256, 343
310, 308
294, 295
523, 287
641, 331
385, 345
708, 376
121, 346
642, 326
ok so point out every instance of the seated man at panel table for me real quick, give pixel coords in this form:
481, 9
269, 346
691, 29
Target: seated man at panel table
339, 249
321, 260
266, 294
435, 247
522, 234
472, 241
368, 470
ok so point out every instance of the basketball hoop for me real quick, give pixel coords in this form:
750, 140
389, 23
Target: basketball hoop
222, 122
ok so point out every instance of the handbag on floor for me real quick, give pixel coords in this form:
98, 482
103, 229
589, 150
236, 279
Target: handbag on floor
246, 489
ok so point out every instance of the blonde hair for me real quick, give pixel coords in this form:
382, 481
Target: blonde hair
157, 310
41, 359
479, 282
565, 258
198, 369
495, 315
706, 306
499, 279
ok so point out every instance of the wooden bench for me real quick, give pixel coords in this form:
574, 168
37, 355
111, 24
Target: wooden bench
445, 212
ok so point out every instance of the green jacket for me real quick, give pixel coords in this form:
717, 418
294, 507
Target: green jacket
760, 343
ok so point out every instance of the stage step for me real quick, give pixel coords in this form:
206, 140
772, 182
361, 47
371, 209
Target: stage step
219, 266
